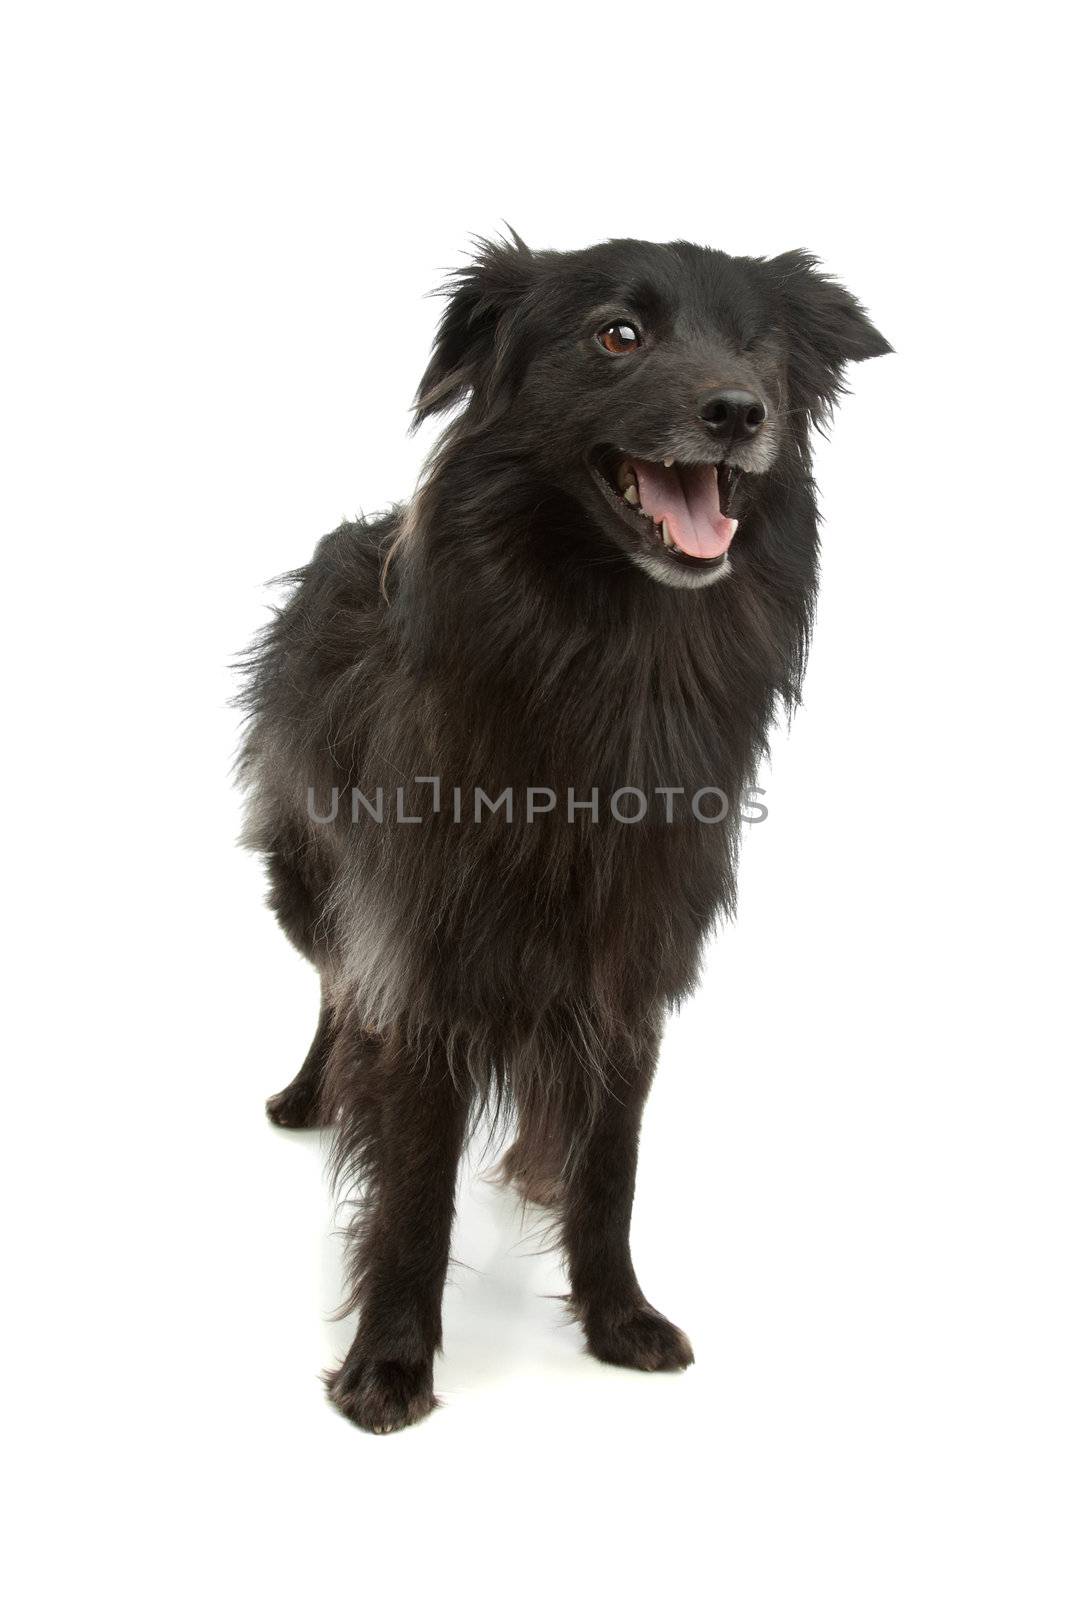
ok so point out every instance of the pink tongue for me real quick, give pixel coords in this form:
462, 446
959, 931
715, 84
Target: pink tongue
687, 498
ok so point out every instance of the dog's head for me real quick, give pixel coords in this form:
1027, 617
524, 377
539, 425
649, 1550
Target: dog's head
654, 383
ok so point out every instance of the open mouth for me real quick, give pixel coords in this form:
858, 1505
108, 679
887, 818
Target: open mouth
681, 509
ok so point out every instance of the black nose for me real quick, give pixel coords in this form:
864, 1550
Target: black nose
732, 413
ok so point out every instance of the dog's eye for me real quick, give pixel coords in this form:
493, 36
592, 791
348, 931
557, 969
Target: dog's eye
619, 338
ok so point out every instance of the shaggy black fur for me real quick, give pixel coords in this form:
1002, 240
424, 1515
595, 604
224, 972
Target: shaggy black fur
515, 628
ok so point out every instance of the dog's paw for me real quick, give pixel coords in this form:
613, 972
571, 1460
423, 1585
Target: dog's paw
382, 1396
638, 1336
294, 1108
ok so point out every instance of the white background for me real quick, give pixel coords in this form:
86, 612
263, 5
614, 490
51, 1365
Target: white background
221, 223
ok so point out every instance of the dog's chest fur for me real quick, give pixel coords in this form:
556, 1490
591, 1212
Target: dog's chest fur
489, 672
643, 694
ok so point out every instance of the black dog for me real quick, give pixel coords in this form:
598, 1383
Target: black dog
499, 740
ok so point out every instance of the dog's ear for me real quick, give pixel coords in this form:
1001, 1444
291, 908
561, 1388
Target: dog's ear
470, 350
826, 327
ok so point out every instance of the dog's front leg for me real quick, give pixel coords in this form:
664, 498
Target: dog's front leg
620, 1325
412, 1137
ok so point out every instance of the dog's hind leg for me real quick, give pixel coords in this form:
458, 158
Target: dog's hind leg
300, 1104
402, 1116
298, 891
533, 1165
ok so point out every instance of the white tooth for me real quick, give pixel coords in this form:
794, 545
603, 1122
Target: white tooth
664, 533
632, 495
669, 461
